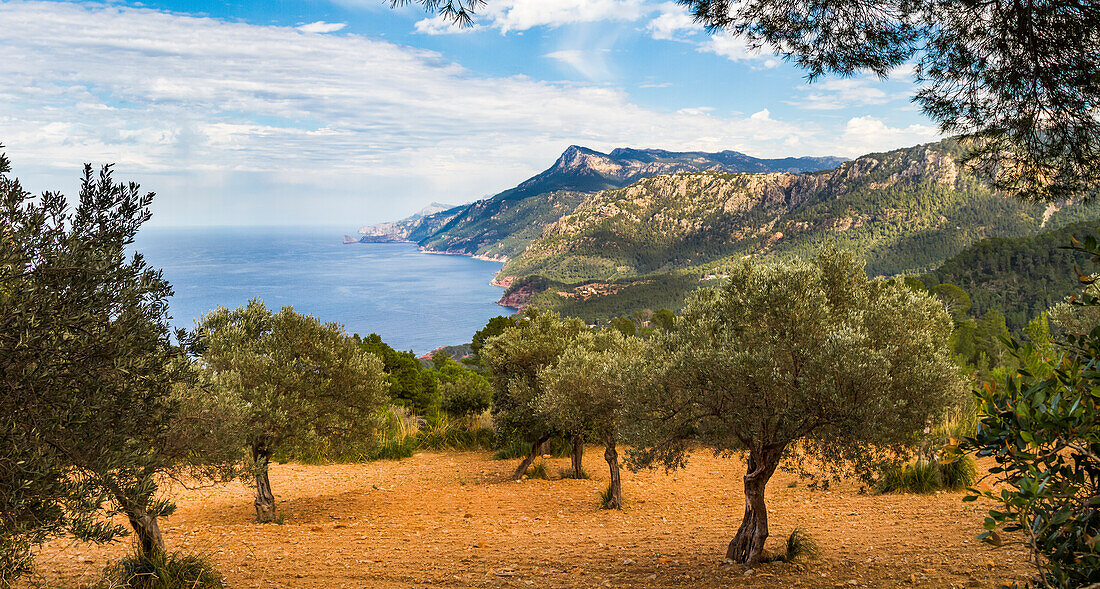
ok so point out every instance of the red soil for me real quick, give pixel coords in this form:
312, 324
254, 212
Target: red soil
455, 520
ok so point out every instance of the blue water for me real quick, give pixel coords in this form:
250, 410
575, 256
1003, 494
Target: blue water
413, 300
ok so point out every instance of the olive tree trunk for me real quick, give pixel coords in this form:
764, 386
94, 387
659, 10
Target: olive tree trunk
748, 545
578, 457
146, 530
536, 449
265, 499
615, 485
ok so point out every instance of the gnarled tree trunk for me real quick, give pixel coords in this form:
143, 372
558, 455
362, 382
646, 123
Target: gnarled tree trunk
265, 499
146, 530
611, 455
536, 450
578, 457
748, 545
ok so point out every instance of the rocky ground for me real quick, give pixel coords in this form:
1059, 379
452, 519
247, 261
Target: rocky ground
456, 520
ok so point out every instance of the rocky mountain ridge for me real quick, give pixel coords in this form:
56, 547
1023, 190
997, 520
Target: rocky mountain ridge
501, 226
903, 211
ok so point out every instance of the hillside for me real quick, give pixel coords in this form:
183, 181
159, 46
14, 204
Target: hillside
1020, 277
503, 225
904, 211
425, 221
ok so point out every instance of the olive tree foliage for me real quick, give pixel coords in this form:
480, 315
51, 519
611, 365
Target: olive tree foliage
514, 358
95, 402
582, 394
297, 377
806, 362
1019, 77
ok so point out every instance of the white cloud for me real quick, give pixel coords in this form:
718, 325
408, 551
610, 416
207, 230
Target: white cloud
734, 48
866, 134
231, 122
520, 15
591, 64
321, 27
440, 25
671, 20
835, 94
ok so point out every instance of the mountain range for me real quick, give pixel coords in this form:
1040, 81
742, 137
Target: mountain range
599, 235
502, 225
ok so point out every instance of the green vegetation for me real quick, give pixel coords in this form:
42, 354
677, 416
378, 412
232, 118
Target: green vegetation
582, 396
903, 211
298, 378
1020, 277
784, 355
928, 476
514, 359
410, 385
162, 570
96, 405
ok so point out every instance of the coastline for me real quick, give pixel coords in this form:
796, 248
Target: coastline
497, 280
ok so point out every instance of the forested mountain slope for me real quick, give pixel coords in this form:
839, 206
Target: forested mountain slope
1020, 277
903, 211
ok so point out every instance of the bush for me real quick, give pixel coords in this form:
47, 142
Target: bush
538, 470
922, 477
515, 448
162, 570
959, 474
457, 434
393, 449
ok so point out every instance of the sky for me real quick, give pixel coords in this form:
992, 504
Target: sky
347, 112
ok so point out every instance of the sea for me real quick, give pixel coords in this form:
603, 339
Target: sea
414, 300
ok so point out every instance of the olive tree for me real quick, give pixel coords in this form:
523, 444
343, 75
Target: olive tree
582, 394
514, 359
298, 377
93, 395
807, 360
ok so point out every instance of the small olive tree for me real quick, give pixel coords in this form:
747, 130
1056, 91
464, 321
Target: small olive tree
514, 359
298, 377
582, 395
802, 361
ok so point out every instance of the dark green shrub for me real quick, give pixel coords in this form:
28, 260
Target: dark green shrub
162, 570
394, 449
446, 434
922, 477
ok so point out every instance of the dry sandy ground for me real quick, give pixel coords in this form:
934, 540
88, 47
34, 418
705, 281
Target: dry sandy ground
455, 520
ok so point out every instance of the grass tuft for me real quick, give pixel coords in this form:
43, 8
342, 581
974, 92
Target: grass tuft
959, 474
512, 449
567, 473
801, 546
605, 497
163, 570
538, 470
921, 477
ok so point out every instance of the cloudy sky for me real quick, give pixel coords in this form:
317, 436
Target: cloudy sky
343, 112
